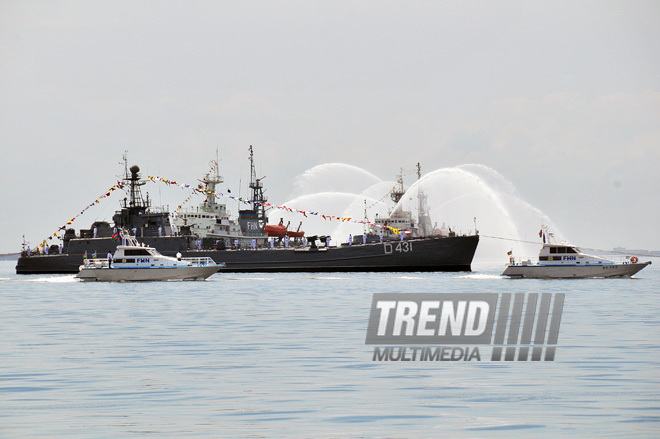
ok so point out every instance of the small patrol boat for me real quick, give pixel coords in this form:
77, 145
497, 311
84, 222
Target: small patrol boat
560, 261
137, 262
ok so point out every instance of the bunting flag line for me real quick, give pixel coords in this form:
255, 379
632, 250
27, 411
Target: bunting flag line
180, 206
117, 186
200, 189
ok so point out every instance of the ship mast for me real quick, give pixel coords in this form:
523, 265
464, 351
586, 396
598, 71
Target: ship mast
136, 201
210, 181
398, 190
258, 197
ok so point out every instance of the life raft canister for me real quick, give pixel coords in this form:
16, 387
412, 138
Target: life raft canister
634, 259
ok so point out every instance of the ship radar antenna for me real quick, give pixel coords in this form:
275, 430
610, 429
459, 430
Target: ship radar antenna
258, 198
398, 190
124, 162
546, 233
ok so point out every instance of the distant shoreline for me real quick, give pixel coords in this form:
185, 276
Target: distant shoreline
9, 256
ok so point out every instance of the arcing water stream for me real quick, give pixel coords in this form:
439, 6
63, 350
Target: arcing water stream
455, 196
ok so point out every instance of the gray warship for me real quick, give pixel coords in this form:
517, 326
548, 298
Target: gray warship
249, 244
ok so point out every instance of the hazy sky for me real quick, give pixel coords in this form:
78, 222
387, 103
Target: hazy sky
561, 98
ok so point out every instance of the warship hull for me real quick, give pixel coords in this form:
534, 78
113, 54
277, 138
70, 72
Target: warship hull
420, 254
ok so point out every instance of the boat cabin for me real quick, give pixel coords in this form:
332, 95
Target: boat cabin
138, 256
561, 254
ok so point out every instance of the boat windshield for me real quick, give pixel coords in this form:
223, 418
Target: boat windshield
562, 250
137, 252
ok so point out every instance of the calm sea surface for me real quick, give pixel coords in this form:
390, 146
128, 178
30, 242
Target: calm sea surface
245, 355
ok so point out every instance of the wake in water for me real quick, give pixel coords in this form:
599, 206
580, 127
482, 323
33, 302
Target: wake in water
455, 196
482, 276
53, 279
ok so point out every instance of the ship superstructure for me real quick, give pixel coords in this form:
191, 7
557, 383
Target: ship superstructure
403, 221
210, 214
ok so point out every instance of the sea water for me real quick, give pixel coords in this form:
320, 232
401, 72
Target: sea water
263, 355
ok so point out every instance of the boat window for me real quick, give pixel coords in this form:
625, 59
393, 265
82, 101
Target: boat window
136, 252
561, 250
553, 249
571, 250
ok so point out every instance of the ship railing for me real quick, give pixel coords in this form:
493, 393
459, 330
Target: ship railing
159, 209
523, 261
618, 259
200, 262
95, 263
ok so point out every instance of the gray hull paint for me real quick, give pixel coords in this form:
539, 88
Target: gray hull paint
574, 271
145, 274
424, 254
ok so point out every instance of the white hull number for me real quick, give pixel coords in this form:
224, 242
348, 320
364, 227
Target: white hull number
401, 247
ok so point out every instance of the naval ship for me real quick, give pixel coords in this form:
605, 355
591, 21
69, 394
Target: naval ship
249, 244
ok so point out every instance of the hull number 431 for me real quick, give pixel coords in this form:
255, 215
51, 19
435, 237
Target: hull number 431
401, 247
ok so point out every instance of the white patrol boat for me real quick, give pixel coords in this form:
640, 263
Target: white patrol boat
557, 261
136, 262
